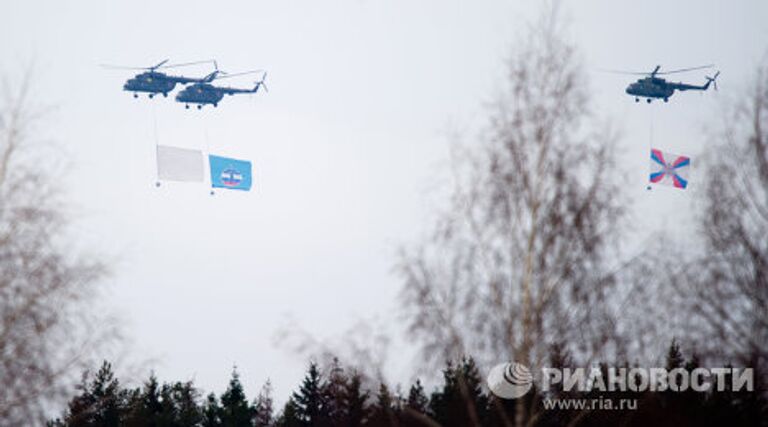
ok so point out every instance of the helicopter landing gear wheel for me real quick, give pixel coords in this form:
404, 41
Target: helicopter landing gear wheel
199, 107
666, 99
215, 105
151, 95
187, 106
649, 100
135, 95
637, 99
165, 94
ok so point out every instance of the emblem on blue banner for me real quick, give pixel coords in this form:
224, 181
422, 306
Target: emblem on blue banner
230, 173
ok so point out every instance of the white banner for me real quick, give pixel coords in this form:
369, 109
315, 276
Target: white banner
179, 164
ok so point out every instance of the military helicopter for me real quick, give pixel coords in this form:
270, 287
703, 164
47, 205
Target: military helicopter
154, 82
205, 93
655, 87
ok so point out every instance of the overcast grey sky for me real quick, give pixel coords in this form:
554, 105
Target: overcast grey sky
347, 147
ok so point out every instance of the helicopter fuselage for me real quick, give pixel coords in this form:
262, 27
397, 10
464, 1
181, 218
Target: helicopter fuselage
651, 87
150, 82
200, 93
654, 87
204, 93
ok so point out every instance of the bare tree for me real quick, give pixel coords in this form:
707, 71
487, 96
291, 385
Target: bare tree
520, 260
364, 347
45, 286
726, 287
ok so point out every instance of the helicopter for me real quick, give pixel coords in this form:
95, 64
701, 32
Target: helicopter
205, 93
154, 82
655, 87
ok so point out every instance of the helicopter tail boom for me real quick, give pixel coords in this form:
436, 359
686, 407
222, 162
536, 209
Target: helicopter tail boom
710, 81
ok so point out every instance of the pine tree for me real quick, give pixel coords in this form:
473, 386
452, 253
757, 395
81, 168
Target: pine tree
291, 415
263, 406
310, 400
166, 405
100, 403
472, 389
168, 414
79, 411
385, 411
185, 398
461, 401
441, 401
211, 412
334, 391
357, 400
417, 399
150, 402
416, 406
134, 415
675, 358
235, 409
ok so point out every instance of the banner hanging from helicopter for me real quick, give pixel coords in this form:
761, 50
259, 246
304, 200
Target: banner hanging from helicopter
230, 173
179, 164
186, 165
669, 169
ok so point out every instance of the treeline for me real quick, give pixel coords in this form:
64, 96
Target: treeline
335, 396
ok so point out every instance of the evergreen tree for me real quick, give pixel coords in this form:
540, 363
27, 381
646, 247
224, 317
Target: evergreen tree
310, 400
166, 405
417, 399
385, 411
151, 407
185, 398
472, 388
133, 414
235, 409
334, 392
211, 412
675, 357
168, 413
100, 402
672, 400
461, 400
291, 415
357, 400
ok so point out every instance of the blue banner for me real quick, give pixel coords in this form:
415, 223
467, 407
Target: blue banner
230, 173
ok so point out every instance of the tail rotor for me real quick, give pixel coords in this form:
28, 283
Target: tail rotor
713, 80
261, 82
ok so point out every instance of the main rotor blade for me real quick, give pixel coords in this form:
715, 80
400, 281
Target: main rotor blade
160, 65
634, 73
228, 75
120, 67
185, 64
658, 73
682, 70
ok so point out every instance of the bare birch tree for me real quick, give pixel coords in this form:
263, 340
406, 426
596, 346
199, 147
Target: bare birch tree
519, 261
726, 288
45, 286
